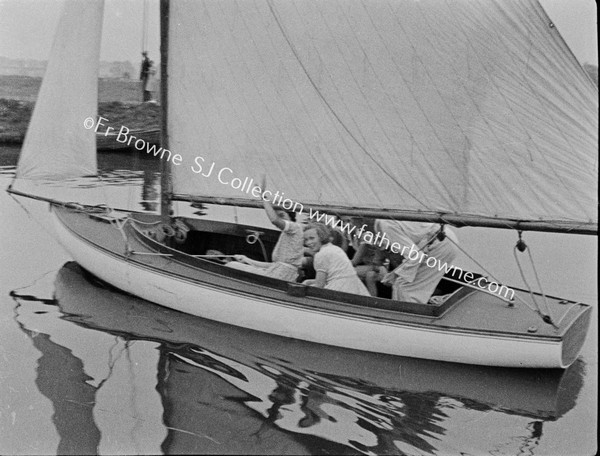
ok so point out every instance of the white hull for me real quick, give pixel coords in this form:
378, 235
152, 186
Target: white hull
277, 317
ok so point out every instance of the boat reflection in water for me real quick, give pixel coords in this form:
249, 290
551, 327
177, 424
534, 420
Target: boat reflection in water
222, 389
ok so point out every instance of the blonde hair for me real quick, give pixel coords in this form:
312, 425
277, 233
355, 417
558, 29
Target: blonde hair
323, 232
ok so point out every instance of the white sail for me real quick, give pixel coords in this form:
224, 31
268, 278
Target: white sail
57, 145
471, 107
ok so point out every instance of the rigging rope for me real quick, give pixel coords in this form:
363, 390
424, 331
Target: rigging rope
494, 278
521, 247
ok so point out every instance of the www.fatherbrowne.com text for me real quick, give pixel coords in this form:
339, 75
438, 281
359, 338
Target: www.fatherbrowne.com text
413, 253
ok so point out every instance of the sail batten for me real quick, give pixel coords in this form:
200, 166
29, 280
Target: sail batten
468, 107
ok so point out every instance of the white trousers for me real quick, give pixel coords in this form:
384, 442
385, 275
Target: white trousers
417, 280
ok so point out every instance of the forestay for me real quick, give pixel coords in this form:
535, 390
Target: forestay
464, 107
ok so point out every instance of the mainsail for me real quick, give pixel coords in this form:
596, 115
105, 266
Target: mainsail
473, 108
57, 145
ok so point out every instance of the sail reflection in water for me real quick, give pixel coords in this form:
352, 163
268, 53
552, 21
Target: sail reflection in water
124, 375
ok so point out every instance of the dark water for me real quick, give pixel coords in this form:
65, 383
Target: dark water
86, 369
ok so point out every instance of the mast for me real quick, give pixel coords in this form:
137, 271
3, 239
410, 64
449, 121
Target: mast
166, 182
145, 26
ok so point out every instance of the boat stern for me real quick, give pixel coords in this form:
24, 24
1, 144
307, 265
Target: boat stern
575, 335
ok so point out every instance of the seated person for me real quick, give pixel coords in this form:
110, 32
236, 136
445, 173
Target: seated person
415, 280
382, 263
367, 259
288, 252
334, 270
368, 264
307, 269
338, 238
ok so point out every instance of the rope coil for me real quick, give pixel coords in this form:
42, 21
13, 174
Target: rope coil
253, 237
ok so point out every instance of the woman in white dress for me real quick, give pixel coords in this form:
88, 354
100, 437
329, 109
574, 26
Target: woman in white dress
333, 267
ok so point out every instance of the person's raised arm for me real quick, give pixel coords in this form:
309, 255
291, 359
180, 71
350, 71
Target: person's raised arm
275, 219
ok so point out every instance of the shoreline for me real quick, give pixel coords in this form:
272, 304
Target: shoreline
15, 116
119, 101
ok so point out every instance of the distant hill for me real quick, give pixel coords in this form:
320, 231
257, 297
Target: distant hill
36, 68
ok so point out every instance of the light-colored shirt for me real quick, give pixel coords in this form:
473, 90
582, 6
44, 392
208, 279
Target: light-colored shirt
415, 235
407, 234
290, 245
341, 276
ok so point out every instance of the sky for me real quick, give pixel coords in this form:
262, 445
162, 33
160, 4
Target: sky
27, 28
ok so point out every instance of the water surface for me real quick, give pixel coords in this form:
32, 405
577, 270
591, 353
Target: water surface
87, 369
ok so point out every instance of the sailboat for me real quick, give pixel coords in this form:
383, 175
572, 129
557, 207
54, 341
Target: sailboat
474, 113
